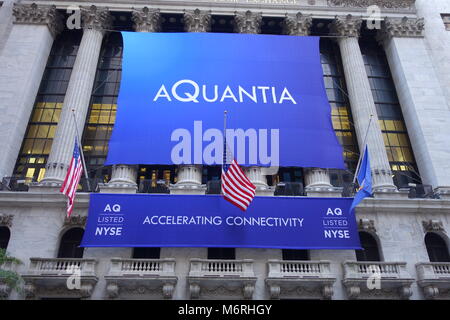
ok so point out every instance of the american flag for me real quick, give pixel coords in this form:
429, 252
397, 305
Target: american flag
70, 184
236, 187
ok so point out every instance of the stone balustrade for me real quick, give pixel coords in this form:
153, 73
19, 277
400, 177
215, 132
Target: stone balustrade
141, 276
375, 279
434, 279
311, 278
50, 277
222, 277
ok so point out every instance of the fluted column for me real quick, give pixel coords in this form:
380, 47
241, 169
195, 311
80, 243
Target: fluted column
22, 64
421, 97
78, 94
362, 103
124, 177
250, 23
317, 180
189, 177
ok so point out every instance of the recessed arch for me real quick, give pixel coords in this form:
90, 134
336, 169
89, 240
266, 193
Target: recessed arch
69, 245
371, 248
5, 234
437, 247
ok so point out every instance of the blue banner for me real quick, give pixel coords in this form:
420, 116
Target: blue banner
143, 220
175, 88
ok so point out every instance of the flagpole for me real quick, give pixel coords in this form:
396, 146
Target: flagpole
361, 154
81, 150
224, 136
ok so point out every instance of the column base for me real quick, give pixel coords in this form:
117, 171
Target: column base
117, 187
443, 192
188, 189
265, 191
45, 187
390, 193
324, 191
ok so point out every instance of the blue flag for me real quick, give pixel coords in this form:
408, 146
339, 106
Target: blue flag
364, 180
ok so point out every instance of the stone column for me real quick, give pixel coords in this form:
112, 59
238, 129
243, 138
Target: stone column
78, 95
362, 103
250, 23
317, 180
422, 99
22, 64
124, 177
6, 20
189, 177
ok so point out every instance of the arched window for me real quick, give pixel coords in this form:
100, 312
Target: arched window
146, 253
370, 250
70, 244
222, 253
437, 248
4, 237
292, 254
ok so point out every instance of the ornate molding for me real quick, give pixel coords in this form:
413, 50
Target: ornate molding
75, 220
146, 20
95, 18
385, 4
40, 15
298, 25
197, 20
346, 26
433, 225
6, 219
248, 22
366, 225
403, 27
431, 292
248, 290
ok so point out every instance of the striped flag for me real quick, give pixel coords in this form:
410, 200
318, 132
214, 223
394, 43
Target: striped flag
236, 187
70, 184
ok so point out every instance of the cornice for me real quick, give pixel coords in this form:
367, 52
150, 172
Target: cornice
228, 7
368, 205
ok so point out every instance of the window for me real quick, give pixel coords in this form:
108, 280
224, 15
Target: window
437, 248
222, 253
156, 179
146, 253
102, 112
396, 140
446, 18
70, 244
4, 237
341, 117
370, 250
47, 108
292, 254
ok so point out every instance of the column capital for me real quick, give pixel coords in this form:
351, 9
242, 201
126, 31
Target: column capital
346, 26
146, 20
248, 22
95, 18
197, 20
402, 28
298, 25
40, 15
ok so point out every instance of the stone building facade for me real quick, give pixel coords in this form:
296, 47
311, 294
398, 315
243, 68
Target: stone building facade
394, 66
